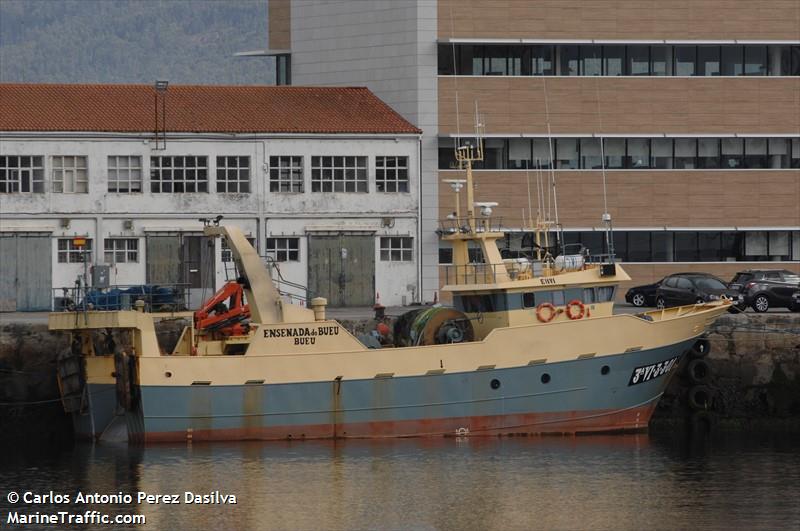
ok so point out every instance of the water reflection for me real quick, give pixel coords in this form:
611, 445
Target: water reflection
512, 483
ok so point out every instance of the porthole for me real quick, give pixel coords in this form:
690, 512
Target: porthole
495, 384
168, 374
545, 378
605, 370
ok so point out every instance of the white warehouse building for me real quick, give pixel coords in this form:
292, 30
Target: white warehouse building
325, 181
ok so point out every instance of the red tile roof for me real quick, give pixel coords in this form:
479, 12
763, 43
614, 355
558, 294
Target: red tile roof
197, 109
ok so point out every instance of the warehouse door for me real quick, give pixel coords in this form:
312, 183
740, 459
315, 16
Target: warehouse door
25, 272
341, 268
182, 259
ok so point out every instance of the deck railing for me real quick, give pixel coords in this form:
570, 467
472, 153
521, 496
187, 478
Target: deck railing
461, 225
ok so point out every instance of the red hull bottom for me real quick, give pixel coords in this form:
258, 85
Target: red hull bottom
561, 423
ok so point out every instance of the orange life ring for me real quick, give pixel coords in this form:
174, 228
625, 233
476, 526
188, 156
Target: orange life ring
573, 303
552, 313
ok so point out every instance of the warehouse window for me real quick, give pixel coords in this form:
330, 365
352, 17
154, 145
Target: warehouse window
339, 174
21, 174
391, 174
286, 174
70, 175
124, 174
227, 254
121, 250
70, 253
233, 175
283, 249
176, 175
396, 249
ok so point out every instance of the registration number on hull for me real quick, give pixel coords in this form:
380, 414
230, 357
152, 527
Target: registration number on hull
652, 371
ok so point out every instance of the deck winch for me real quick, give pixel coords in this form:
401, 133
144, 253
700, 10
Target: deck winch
432, 326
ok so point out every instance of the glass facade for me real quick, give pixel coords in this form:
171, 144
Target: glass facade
631, 153
619, 59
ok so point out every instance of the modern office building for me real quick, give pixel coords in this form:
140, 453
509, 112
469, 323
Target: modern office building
325, 182
689, 110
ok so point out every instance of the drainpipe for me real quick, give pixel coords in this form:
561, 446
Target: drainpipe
420, 296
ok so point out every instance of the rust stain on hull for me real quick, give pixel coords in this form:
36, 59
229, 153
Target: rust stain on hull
566, 423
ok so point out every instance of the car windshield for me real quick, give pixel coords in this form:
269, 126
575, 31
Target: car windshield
709, 283
741, 278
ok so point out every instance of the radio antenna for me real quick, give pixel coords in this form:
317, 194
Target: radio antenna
606, 216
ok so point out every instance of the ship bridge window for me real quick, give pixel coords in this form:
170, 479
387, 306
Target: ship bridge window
558, 298
573, 294
481, 303
588, 296
605, 293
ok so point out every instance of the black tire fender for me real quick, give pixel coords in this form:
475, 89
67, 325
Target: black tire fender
699, 371
700, 348
699, 397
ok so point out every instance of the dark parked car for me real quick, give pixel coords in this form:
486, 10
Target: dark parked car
643, 295
766, 288
795, 306
694, 288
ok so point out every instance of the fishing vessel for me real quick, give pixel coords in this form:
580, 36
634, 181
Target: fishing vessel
529, 346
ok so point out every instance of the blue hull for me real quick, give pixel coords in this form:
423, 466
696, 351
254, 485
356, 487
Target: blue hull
611, 393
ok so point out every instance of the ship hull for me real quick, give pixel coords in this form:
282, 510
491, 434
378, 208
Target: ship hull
590, 395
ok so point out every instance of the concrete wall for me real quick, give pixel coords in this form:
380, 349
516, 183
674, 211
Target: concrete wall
389, 47
261, 214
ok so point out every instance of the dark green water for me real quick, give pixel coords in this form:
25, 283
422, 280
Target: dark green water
603, 482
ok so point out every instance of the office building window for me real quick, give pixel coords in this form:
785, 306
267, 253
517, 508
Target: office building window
125, 174
755, 153
283, 249
339, 174
21, 174
755, 60
70, 175
494, 61
233, 175
286, 174
732, 153
396, 249
685, 60
779, 153
542, 149
613, 60
590, 153
69, 253
708, 60
661, 60
614, 152
567, 154
121, 250
795, 152
708, 152
591, 61
569, 59
685, 153
519, 153
732, 60
176, 175
391, 174
542, 62
662, 155
638, 61
638, 153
